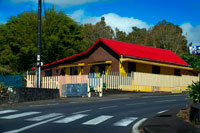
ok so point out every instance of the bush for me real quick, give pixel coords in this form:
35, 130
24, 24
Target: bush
194, 92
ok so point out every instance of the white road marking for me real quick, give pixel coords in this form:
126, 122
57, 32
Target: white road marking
44, 117
31, 126
51, 104
166, 101
115, 99
82, 111
108, 107
162, 111
136, 125
71, 118
18, 115
73, 102
135, 104
97, 120
7, 111
125, 122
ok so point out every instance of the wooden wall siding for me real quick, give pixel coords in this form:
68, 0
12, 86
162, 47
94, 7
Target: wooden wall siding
143, 68
166, 70
97, 54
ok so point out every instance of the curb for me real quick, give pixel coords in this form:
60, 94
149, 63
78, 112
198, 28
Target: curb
137, 124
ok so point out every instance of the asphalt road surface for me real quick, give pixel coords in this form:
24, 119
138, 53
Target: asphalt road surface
118, 115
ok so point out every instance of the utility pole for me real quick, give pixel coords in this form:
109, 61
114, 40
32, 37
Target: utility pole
38, 70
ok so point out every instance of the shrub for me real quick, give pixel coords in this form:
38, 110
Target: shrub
194, 92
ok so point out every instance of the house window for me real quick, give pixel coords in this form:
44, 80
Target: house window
48, 73
91, 69
62, 72
131, 67
101, 68
177, 72
156, 69
73, 70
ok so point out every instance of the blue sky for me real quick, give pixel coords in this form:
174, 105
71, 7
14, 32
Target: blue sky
119, 13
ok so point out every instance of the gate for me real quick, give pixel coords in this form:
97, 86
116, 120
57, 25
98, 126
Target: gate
73, 86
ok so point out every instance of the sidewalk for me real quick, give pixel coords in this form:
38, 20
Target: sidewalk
167, 122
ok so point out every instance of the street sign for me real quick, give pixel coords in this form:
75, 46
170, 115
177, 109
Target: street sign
194, 50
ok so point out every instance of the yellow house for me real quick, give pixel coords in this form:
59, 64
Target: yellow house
110, 55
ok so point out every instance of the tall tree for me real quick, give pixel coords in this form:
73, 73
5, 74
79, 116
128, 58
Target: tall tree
94, 32
168, 36
61, 37
120, 35
138, 36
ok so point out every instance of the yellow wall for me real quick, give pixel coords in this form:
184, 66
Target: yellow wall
96, 69
107, 68
167, 70
123, 68
80, 70
67, 71
143, 68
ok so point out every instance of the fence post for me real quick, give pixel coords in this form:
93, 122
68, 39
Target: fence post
101, 88
88, 85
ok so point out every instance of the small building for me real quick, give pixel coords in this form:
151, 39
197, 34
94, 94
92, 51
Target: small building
109, 55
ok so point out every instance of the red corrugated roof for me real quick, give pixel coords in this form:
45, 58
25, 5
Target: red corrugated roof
134, 50
145, 52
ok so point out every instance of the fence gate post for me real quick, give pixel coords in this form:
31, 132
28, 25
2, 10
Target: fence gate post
88, 86
101, 87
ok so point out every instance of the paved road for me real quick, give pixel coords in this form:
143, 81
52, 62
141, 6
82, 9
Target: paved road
103, 116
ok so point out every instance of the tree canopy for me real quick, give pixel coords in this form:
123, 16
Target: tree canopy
61, 37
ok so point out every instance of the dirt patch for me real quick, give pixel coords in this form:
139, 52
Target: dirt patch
185, 114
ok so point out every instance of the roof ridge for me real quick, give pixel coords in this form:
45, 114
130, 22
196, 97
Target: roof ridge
136, 44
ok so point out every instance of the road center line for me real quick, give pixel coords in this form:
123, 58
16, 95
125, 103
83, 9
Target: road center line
31, 126
82, 111
108, 107
166, 101
135, 103
162, 111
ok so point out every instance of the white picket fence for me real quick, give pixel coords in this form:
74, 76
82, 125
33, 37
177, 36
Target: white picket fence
136, 81
143, 82
50, 82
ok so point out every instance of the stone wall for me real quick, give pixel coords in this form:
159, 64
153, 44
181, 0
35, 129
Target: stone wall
195, 113
23, 94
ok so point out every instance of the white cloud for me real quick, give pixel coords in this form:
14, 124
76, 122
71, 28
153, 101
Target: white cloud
192, 33
61, 2
77, 15
122, 23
